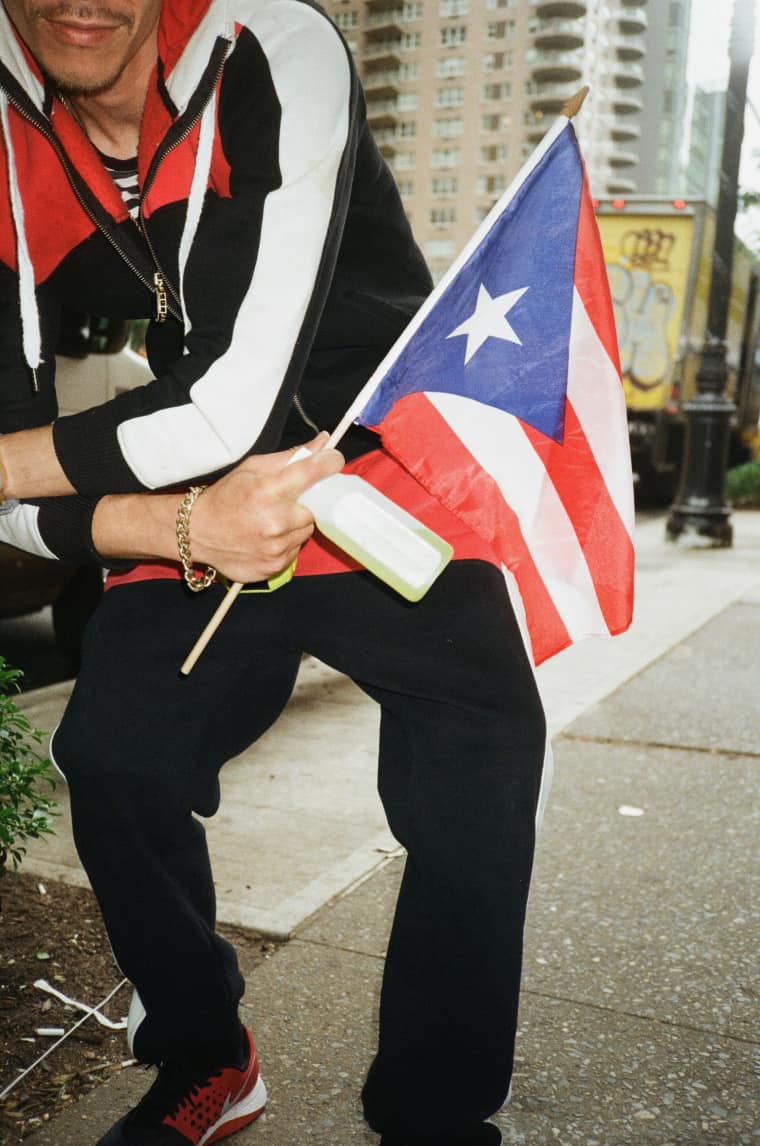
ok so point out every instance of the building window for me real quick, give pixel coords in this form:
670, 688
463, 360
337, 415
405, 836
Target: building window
496, 91
492, 4
503, 30
449, 97
443, 216
444, 186
409, 41
446, 157
346, 20
450, 66
491, 122
453, 36
454, 7
404, 161
440, 248
491, 184
409, 71
448, 128
411, 12
407, 129
496, 61
495, 153
405, 187
407, 101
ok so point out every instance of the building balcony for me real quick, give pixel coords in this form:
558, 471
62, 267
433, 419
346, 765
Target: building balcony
550, 98
382, 112
383, 55
622, 130
619, 155
572, 9
629, 47
626, 102
626, 74
558, 34
630, 20
379, 84
384, 23
559, 66
619, 185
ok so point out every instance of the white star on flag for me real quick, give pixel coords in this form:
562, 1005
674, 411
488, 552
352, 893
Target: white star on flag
489, 320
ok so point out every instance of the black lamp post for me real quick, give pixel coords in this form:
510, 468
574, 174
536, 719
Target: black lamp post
700, 506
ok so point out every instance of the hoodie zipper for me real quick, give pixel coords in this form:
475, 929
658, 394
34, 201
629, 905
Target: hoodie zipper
161, 281
42, 126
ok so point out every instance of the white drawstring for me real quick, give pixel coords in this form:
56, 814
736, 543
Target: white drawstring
196, 197
30, 319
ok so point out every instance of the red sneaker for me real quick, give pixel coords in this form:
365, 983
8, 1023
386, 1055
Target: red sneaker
182, 1110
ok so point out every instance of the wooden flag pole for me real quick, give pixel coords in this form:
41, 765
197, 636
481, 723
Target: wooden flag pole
575, 103
221, 612
570, 109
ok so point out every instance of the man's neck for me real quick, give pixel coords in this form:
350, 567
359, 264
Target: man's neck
112, 118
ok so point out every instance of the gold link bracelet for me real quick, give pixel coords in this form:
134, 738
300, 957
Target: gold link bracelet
193, 579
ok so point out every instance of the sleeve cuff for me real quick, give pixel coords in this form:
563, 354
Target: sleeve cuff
87, 448
65, 524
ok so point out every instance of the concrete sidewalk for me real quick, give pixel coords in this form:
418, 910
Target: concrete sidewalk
637, 1020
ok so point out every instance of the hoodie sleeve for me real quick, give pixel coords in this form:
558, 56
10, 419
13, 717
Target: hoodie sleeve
258, 272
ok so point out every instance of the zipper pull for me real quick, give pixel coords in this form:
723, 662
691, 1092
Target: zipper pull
162, 301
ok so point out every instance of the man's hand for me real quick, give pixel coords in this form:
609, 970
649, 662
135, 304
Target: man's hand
248, 525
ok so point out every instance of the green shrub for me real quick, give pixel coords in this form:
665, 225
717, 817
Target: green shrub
743, 485
25, 809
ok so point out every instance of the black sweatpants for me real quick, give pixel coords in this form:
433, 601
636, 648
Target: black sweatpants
461, 751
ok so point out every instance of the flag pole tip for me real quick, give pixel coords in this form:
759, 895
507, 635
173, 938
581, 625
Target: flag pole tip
575, 103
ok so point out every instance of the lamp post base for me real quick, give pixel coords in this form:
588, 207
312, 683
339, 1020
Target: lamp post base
713, 526
700, 508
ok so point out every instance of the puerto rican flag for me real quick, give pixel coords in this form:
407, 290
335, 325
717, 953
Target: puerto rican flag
503, 398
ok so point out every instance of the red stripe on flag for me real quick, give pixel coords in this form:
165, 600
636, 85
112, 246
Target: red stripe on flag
417, 435
603, 537
591, 280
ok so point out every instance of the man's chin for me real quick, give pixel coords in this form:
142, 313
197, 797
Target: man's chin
83, 81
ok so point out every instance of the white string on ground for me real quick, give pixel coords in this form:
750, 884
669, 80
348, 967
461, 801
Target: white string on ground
43, 985
62, 1039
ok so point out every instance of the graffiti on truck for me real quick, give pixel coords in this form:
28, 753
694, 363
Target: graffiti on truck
647, 265
644, 305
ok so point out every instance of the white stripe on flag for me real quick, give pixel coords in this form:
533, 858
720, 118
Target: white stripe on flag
501, 447
600, 408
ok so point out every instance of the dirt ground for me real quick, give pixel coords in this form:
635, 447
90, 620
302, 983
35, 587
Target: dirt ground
53, 932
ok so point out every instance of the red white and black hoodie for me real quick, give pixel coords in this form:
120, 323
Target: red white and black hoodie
268, 219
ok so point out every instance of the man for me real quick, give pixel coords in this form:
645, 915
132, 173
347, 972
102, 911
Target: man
209, 164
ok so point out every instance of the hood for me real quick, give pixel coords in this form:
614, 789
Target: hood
188, 31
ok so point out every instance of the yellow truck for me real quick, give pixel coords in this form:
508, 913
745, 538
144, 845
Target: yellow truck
658, 254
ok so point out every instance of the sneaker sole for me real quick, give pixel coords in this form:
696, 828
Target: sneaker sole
238, 1115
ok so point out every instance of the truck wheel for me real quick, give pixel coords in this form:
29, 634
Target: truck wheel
72, 610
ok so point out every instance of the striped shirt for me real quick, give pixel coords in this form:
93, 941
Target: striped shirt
124, 174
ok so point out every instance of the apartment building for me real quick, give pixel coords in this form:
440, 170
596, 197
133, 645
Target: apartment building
459, 92
665, 96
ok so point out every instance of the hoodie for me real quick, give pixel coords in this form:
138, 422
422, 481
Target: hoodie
271, 254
